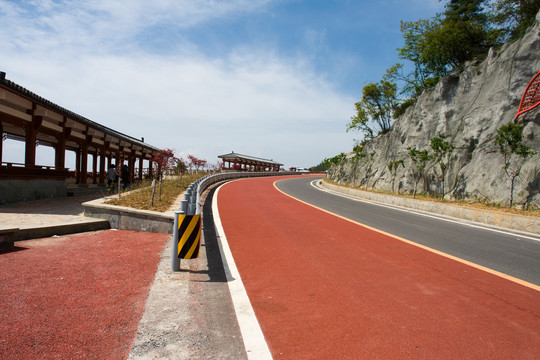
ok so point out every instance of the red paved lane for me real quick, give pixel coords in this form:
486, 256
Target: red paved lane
76, 297
326, 288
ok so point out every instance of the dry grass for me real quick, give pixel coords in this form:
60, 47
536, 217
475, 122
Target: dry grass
476, 205
140, 198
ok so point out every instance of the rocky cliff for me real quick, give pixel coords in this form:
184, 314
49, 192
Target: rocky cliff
468, 106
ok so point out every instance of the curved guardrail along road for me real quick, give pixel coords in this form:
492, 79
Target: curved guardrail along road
343, 278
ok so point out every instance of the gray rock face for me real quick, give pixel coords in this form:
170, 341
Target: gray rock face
468, 106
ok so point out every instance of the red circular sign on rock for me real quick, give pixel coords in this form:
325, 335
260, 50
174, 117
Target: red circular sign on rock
531, 96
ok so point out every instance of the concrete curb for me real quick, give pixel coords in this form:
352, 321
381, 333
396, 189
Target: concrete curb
63, 229
125, 218
503, 220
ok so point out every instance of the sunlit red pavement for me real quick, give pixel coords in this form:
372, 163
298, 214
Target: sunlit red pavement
76, 297
326, 288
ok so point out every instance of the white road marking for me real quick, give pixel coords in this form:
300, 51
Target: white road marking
254, 341
421, 213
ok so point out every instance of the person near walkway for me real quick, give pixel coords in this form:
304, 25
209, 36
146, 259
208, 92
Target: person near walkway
125, 177
111, 177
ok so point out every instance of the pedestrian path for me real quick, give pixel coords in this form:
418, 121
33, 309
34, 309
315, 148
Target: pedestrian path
49, 217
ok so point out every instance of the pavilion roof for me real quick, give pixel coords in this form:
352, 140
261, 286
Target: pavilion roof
248, 159
21, 91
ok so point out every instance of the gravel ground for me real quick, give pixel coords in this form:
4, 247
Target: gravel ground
189, 314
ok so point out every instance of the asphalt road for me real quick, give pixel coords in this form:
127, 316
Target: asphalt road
324, 287
510, 253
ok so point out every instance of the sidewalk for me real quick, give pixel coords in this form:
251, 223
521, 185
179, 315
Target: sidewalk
188, 314
49, 217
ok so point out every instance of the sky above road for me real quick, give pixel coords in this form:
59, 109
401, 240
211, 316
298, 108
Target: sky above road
275, 79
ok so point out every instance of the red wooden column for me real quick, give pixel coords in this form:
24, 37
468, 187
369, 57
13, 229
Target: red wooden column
78, 165
118, 162
102, 171
84, 163
131, 166
30, 138
94, 167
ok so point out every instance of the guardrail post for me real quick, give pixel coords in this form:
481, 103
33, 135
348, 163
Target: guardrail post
175, 264
183, 206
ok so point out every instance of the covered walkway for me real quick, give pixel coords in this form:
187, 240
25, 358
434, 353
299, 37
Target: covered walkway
27, 117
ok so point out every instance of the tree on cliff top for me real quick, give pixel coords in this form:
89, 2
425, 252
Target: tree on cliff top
464, 31
513, 17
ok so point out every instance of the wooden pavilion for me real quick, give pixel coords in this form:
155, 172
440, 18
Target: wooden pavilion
239, 162
27, 117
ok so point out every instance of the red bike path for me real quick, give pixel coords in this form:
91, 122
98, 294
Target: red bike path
323, 287
76, 296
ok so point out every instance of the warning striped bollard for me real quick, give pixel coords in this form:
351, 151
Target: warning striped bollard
189, 236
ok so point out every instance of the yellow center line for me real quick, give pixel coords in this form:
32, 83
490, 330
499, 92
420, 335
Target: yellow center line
480, 267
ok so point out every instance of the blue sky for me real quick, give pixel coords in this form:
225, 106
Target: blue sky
270, 78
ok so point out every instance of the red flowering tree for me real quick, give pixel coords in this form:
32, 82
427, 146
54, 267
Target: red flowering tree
195, 163
164, 160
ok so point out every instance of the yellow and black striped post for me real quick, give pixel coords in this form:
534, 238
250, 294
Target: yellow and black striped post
189, 236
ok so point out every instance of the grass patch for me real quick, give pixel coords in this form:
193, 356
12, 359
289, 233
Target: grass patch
140, 195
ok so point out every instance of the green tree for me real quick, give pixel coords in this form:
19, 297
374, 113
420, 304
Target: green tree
374, 112
442, 43
510, 141
393, 166
328, 162
422, 77
442, 153
452, 42
513, 17
420, 158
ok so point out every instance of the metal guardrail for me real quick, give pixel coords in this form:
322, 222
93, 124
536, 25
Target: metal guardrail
187, 220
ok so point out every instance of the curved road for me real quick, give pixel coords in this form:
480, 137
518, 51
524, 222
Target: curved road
323, 287
510, 253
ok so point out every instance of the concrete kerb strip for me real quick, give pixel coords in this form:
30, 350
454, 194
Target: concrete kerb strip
121, 217
495, 219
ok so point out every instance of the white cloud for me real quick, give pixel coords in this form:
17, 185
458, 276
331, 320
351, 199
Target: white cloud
252, 101
91, 25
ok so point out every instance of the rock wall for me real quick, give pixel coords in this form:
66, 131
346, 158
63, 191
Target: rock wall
468, 106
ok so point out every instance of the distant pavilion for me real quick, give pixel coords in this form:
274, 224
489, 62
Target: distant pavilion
239, 162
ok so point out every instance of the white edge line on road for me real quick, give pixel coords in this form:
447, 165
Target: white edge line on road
254, 341
421, 213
